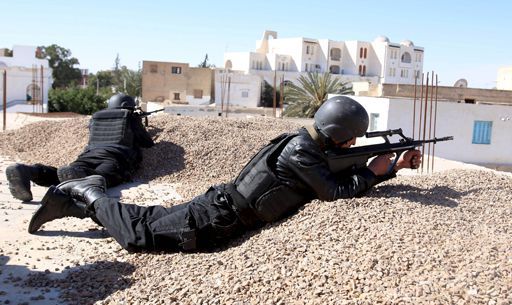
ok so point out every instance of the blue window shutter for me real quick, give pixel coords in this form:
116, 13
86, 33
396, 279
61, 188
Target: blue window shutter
482, 131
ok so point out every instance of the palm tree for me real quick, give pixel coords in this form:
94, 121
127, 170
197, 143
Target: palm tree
305, 98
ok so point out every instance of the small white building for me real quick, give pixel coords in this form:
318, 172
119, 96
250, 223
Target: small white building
28, 80
361, 62
236, 89
482, 132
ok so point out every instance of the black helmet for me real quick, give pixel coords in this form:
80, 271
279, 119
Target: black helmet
121, 100
341, 118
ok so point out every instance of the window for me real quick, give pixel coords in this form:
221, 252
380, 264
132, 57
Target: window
335, 54
406, 58
176, 70
364, 70
245, 94
482, 132
374, 120
365, 52
310, 49
360, 52
198, 93
307, 67
176, 96
334, 69
153, 69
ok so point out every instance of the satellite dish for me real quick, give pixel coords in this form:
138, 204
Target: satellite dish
461, 83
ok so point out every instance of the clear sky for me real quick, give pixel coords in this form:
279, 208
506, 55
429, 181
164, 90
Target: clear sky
462, 39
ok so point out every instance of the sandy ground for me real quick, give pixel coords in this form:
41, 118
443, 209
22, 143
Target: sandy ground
53, 251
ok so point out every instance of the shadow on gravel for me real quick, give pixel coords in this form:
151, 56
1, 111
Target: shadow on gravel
163, 159
87, 284
92, 234
84, 285
438, 195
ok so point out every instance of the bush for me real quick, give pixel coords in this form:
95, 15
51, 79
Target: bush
83, 101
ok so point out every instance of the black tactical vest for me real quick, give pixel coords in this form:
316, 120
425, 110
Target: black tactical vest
111, 127
266, 195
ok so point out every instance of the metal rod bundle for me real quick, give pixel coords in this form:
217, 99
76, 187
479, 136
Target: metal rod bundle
427, 118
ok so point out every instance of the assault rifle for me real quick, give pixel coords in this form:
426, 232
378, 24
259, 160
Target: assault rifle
144, 114
340, 159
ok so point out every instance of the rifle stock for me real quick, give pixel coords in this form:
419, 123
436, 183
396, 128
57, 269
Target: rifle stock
341, 159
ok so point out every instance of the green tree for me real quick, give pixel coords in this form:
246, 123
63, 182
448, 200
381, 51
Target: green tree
116, 72
308, 95
125, 80
132, 81
267, 96
78, 100
63, 65
205, 63
101, 82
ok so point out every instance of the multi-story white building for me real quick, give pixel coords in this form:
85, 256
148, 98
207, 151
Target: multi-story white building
28, 80
370, 63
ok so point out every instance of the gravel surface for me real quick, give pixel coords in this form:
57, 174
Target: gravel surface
444, 238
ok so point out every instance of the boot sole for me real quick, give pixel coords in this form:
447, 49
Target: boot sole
16, 187
35, 222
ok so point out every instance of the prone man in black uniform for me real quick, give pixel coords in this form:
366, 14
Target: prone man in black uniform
115, 137
279, 179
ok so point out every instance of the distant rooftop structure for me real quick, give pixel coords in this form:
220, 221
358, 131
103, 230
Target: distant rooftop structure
504, 81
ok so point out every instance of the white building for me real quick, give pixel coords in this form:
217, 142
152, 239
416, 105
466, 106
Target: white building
504, 81
234, 88
371, 63
28, 80
482, 133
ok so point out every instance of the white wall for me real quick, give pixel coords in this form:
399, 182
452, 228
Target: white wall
453, 119
240, 84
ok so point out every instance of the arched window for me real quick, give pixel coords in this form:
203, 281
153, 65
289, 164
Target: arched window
360, 70
360, 52
334, 69
335, 54
228, 64
406, 57
33, 94
364, 70
365, 52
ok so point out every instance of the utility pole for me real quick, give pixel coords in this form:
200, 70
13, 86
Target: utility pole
5, 99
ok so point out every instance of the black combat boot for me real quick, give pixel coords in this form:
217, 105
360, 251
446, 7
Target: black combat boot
66, 173
56, 204
86, 190
19, 177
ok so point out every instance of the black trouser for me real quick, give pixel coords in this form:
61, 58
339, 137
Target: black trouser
204, 222
111, 170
